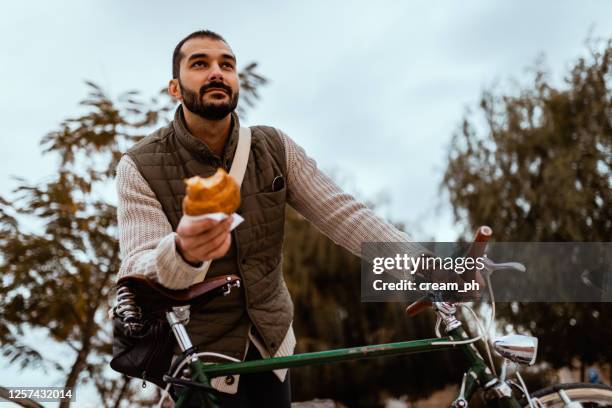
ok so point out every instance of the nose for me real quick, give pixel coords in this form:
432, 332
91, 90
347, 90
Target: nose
216, 72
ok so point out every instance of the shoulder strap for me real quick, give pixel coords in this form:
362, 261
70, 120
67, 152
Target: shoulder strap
241, 157
239, 164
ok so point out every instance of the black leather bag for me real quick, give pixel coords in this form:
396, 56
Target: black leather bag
143, 342
147, 355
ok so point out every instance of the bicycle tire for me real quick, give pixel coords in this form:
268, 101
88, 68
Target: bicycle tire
590, 395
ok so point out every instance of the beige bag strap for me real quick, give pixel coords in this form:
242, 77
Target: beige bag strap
239, 165
241, 157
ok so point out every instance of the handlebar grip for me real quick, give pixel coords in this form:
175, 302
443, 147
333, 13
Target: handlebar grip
479, 244
476, 250
418, 306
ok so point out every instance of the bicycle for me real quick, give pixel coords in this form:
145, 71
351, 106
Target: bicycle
499, 390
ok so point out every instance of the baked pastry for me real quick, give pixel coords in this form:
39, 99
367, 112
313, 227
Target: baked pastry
217, 193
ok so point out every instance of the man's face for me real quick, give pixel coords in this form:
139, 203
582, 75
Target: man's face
208, 80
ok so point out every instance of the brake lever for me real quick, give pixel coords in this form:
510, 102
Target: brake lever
491, 266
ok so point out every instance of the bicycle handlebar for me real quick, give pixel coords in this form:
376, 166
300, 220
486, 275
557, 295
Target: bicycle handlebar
477, 249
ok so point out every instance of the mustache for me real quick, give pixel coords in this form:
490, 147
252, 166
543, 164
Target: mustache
219, 85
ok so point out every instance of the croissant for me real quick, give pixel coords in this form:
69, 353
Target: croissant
217, 193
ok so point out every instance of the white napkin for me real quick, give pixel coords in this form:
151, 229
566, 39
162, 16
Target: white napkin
219, 216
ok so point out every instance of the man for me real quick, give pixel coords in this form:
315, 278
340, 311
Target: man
255, 321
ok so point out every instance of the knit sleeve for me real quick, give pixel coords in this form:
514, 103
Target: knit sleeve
335, 213
146, 240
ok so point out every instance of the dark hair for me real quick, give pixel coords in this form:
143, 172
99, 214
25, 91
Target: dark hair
177, 55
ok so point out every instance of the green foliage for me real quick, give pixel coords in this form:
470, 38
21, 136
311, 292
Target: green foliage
58, 277
541, 171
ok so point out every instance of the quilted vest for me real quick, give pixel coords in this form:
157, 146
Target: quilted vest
170, 155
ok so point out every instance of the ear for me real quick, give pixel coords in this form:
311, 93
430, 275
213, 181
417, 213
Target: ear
174, 89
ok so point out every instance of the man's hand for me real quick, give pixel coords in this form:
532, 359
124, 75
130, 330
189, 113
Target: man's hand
442, 276
203, 240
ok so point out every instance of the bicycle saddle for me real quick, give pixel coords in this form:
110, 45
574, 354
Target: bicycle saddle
149, 291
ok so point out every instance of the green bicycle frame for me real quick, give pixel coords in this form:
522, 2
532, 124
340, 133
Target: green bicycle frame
314, 358
325, 357
478, 372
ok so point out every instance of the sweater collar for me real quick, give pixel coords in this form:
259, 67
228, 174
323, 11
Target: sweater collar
201, 149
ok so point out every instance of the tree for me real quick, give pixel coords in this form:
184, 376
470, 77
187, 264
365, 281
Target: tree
540, 171
58, 241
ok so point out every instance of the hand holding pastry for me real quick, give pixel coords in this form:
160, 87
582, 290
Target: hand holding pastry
200, 240
203, 240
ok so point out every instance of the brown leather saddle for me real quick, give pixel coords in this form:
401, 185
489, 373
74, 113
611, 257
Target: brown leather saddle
151, 295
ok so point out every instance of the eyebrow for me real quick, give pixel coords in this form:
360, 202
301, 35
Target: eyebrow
204, 55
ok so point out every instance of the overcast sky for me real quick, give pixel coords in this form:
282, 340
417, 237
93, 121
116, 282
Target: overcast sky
372, 90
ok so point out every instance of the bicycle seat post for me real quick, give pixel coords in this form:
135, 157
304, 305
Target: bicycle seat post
178, 316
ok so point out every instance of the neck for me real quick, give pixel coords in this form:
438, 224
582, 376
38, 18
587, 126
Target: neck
212, 132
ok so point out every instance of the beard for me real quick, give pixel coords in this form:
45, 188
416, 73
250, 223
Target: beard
194, 101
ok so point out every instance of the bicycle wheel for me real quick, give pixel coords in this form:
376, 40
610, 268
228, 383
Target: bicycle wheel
589, 395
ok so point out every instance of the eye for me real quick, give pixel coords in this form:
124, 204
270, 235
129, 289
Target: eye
199, 64
227, 65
